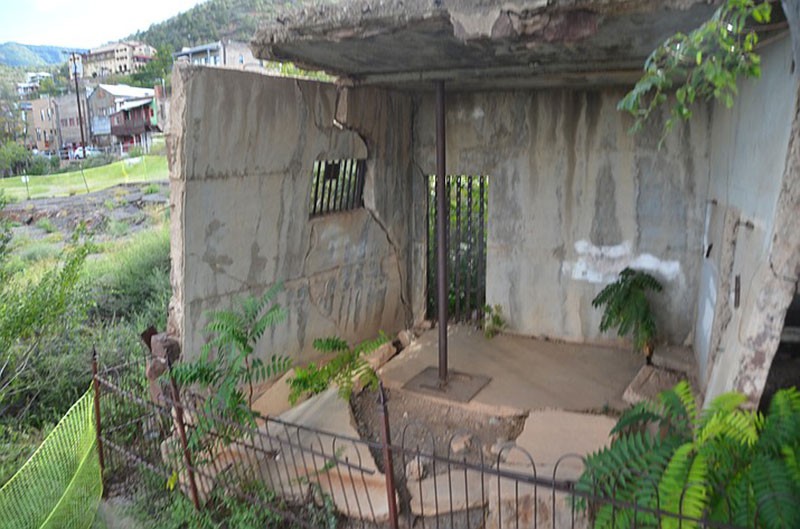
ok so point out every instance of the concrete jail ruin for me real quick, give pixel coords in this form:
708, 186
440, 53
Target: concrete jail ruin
573, 197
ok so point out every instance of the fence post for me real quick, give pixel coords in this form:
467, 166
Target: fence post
98, 425
187, 456
388, 466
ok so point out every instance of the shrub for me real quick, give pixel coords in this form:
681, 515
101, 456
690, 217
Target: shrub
626, 308
151, 189
346, 367
129, 278
723, 462
494, 322
97, 161
39, 251
46, 225
117, 228
226, 364
34, 319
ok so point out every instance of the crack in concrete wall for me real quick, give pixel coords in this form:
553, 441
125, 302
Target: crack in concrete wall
245, 182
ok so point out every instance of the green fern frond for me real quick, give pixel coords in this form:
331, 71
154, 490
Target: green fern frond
332, 344
791, 455
776, 494
683, 487
626, 307
782, 424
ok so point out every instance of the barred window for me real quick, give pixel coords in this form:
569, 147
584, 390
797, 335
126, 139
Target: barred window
337, 185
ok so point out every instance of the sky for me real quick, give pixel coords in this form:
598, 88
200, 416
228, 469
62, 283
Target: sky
81, 23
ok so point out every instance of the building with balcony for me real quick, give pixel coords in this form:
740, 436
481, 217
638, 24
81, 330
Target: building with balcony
135, 122
107, 100
123, 58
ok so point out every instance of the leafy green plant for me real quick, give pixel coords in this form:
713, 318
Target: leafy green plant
724, 463
46, 225
132, 276
627, 309
347, 367
38, 251
494, 321
226, 365
704, 64
151, 189
117, 228
30, 316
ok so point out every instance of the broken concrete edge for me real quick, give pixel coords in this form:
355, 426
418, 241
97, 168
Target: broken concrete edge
471, 19
651, 380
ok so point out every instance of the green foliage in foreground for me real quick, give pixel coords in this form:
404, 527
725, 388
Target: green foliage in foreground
494, 322
347, 367
626, 309
132, 278
256, 508
226, 365
704, 64
723, 462
53, 314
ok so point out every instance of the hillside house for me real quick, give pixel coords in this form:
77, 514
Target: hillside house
105, 101
224, 53
135, 122
530, 102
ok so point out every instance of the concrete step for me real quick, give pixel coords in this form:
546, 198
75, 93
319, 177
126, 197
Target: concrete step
649, 382
675, 358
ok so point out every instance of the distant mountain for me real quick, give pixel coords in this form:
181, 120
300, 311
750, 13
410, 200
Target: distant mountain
16, 54
210, 21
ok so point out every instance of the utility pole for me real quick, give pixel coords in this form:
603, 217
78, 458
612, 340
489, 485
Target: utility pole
78, 97
80, 115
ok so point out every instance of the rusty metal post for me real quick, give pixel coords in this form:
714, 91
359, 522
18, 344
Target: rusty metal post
98, 425
442, 219
388, 466
187, 455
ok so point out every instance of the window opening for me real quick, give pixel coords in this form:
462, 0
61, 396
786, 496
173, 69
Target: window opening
337, 185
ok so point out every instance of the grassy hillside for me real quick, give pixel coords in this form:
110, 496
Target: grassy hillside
144, 169
210, 21
16, 54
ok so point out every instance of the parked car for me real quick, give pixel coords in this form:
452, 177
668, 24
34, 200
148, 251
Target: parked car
78, 153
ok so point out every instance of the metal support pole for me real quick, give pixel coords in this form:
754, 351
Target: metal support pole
98, 425
388, 466
442, 218
187, 455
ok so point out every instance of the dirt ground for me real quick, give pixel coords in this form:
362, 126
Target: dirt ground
418, 422
124, 204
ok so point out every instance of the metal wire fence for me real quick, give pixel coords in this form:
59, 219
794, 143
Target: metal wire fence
60, 486
407, 479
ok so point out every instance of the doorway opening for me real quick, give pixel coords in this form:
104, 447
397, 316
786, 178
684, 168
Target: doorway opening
468, 201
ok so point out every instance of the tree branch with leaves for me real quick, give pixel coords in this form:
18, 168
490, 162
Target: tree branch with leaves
702, 65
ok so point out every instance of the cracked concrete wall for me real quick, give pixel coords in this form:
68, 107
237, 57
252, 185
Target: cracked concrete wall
573, 199
242, 152
736, 336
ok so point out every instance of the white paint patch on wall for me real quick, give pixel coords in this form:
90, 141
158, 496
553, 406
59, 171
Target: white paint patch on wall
602, 264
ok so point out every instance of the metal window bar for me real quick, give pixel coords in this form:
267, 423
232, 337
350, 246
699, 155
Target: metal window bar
466, 233
337, 185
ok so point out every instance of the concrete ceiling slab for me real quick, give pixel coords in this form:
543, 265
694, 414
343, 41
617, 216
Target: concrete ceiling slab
477, 43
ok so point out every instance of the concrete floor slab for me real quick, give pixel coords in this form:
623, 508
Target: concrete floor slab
527, 374
553, 437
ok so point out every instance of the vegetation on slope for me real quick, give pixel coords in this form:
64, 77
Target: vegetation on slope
210, 21
26, 55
